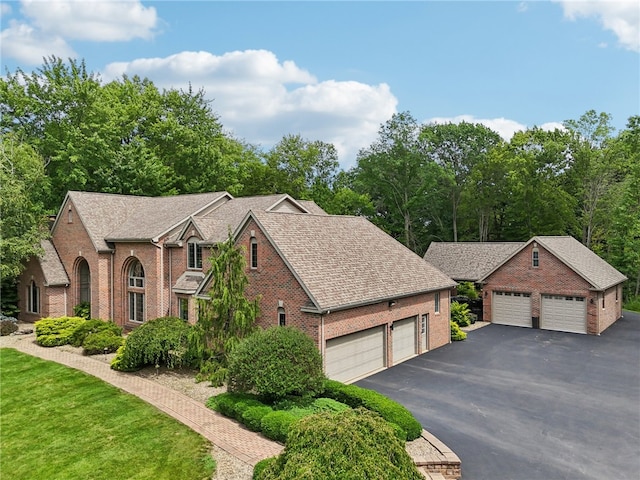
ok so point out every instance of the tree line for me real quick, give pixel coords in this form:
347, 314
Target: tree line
63, 128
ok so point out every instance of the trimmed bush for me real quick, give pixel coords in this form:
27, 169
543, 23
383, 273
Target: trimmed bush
390, 410
261, 466
275, 425
328, 405
51, 332
93, 326
461, 314
275, 363
232, 404
457, 335
102, 342
252, 417
163, 341
349, 445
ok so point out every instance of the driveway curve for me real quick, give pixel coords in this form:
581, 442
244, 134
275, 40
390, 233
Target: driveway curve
522, 404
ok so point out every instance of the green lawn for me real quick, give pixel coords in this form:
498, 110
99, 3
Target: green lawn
58, 423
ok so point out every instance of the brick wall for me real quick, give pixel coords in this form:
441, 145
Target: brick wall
612, 310
276, 283
553, 277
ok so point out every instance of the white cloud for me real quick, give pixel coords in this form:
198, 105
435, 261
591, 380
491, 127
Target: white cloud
622, 17
5, 9
23, 42
94, 20
504, 127
261, 99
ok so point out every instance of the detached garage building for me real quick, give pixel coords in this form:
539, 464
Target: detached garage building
549, 282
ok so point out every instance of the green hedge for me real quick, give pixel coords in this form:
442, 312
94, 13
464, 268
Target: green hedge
51, 332
457, 335
101, 342
276, 425
390, 410
163, 341
93, 326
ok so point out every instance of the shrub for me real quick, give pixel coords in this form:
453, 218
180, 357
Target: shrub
252, 416
389, 409
328, 405
8, 325
162, 341
457, 335
349, 445
232, 404
467, 289
633, 304
261, 466
275, 425
93, 326
102, 342
51, 332
83, 309
461, 314
276, 362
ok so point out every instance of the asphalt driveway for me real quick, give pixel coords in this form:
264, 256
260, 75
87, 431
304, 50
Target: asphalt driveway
522, 404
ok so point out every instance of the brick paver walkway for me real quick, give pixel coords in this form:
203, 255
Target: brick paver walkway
228, 435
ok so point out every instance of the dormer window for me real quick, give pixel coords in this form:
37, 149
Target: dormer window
535, 258
194, 254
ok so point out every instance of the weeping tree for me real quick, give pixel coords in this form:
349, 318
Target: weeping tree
227, 316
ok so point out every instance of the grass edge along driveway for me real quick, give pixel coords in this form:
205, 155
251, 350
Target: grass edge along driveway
59, 423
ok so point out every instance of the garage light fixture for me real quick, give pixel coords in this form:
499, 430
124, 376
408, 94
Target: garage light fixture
391, 303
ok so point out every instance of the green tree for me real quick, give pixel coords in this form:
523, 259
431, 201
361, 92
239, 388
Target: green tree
458, 148
227, 316
402, 182
23, 222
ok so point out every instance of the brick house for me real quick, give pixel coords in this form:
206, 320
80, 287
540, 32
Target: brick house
549, 282
366, 300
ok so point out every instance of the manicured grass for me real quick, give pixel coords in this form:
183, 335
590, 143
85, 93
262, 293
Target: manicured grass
58, 423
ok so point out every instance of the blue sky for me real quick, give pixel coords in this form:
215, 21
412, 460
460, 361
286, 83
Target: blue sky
334, 71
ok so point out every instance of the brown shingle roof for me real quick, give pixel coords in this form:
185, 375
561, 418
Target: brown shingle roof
126, 217
346, 261
52, 268
470, 261
215, 225
583, 261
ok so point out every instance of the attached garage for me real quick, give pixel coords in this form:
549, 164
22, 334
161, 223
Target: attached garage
564, 313
512, 308
355, 355
404, 339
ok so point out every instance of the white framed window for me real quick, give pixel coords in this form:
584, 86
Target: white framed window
33, 298
194, 254
282, 317
535, 258
136, 284
437, 302
254, 253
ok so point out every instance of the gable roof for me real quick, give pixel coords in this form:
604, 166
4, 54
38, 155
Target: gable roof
470, 261
346, 261
586, 263
215, 225
108, 217
51, 265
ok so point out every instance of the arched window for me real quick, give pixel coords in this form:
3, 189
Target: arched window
194, 254
84, 282
535, 258
33, 298
136, 292
282, 318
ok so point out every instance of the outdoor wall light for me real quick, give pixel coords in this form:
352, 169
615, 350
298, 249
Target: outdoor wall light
392, 303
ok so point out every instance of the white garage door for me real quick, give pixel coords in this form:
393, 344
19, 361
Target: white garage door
404, 339
564, 314
355, 355
510, 308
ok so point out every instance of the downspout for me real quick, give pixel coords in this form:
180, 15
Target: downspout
112, 304
66, 311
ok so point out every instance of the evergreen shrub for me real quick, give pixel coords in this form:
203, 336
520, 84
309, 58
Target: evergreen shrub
51, 332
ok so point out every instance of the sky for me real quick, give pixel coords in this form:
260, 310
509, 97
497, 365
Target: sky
336, 71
